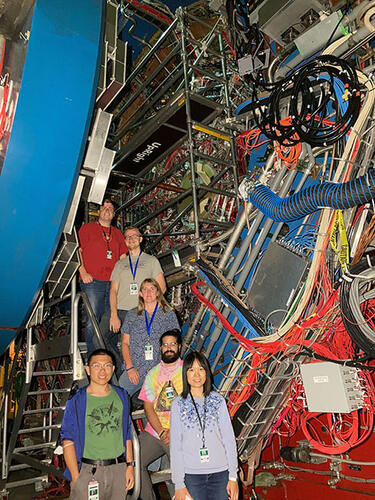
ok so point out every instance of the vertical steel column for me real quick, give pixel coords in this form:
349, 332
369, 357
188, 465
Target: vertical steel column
229, 109
29, 363
4, 463
180, 15
74, 327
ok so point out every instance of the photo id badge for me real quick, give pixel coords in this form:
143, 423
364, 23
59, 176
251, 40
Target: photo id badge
204, 455
149, 352
169, 392
133, 289
109, 254
93, 490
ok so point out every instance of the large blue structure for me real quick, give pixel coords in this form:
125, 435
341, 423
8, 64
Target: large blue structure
46, 147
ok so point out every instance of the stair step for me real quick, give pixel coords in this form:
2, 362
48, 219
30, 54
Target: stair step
41, 446
43, 410
48, 391
55, 372
39, 429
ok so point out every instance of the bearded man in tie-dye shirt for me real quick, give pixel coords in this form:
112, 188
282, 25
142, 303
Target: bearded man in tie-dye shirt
162, 385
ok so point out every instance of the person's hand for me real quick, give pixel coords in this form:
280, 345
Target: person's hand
129, 477
232, 490
133, 375
181, 494
86, 277
165, 437
114, 323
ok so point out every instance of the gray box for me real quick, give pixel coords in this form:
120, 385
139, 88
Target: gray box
331, 388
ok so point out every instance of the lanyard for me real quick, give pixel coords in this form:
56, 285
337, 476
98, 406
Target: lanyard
134, 271
107, 237
148, 324
202, 426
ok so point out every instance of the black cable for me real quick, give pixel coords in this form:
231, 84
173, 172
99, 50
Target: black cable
350, 362
310, 96
356, 330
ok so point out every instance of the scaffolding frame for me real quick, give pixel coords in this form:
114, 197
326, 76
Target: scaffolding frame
188, 55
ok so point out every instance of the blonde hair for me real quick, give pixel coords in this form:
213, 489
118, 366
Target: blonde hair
159, 297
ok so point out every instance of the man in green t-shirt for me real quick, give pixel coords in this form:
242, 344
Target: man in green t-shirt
96, 435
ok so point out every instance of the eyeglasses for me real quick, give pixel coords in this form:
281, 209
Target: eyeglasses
170, 344
132, 237
98, 366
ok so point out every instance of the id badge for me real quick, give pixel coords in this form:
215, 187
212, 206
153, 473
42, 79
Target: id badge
93, 490
149, 352
204, 455
169, 392
109, 254
133, 289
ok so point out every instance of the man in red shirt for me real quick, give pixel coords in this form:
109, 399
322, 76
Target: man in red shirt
101, 246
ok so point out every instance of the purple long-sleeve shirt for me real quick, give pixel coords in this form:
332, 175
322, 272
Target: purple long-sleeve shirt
186, 438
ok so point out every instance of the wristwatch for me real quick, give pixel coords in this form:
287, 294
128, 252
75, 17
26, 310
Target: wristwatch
130, 463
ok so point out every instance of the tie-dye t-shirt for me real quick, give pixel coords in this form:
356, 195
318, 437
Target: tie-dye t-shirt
154, 390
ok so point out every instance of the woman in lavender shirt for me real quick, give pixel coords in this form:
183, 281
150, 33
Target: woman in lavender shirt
202, 442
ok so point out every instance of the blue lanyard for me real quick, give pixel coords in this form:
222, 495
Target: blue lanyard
148, 325
134, 271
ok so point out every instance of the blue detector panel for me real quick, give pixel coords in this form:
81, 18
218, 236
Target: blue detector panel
46, 148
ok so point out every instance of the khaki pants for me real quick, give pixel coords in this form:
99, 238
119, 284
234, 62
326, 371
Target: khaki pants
111, 479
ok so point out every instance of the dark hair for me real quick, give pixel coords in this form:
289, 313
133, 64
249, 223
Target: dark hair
188, 363
108, 200
99, 352
176, 333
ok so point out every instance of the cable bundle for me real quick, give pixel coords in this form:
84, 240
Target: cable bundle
322, 98
357, 302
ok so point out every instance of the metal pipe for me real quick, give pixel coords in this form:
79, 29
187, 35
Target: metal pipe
4, 464
144, 61
192, 330
147, 189
137, 468
29, 363
229, 112
310, 166
244, 247
185, 211
247, 268
190, 141
74, 326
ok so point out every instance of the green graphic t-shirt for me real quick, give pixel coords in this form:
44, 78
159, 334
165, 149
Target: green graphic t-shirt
103, 432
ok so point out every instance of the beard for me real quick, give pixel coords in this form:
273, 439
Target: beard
169, 357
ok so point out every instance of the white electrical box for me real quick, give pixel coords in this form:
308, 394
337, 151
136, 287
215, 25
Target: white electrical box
331, 388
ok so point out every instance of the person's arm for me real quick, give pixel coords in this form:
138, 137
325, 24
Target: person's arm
229, 442
70, 458
114, 322
86, 277
132, 372
152, 417
130, 468
176, 452
161, 280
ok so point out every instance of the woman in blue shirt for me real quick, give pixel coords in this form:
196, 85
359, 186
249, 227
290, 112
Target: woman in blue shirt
141, 331
203, 446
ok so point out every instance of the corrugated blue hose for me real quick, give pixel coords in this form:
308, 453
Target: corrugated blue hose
324, 195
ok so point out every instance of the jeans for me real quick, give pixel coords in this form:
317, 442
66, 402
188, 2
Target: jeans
111, 339
151, 449
98, 294
208, 486
131, 388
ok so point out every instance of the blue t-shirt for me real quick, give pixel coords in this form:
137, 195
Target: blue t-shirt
135, 326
